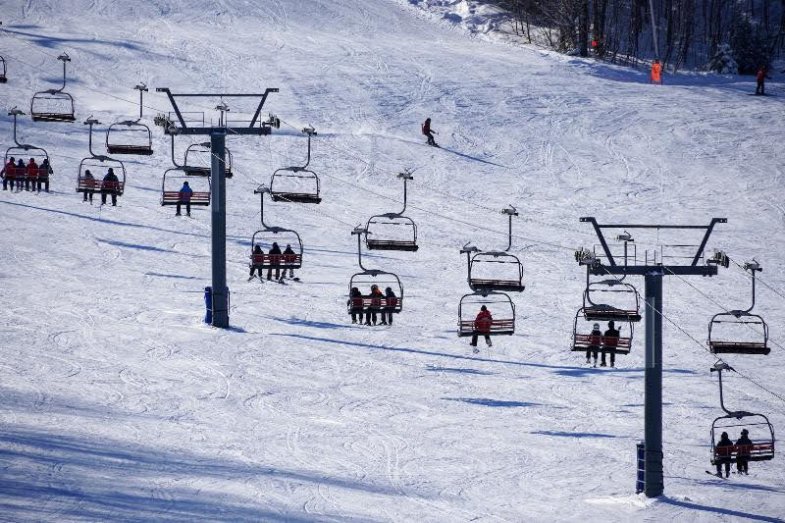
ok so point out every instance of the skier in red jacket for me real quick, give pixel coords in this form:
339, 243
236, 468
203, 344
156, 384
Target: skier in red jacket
482, 325
761, 76
427, 131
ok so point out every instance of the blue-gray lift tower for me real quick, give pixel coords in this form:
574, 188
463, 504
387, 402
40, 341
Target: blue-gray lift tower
217, 135
653, 274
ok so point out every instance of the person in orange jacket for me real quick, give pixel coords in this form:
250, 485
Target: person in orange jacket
656, 72
31, 175
482, 325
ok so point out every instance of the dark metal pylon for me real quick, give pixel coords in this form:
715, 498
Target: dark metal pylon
220, 291
653, 275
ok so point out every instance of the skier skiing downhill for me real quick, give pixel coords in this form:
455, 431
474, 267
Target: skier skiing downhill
427, 131
656, 72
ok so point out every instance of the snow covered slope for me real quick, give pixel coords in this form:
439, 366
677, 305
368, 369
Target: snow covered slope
118, 403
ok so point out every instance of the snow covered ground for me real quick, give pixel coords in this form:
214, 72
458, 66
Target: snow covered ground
118, 403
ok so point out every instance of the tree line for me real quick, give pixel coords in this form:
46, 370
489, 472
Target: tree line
721, 35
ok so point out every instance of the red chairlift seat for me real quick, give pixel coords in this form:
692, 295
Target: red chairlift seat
502, 311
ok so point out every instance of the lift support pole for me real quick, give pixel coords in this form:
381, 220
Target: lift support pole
220, 292
653, 275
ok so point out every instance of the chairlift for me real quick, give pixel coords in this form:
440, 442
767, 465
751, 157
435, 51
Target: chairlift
129, 137
760, 430
624, 306
500, 306
495, 270
53, 105
364, 281
3, 71
198, 160
172, 182
296, 184
266, 236
392, 231
24, 152
740, 331
98, 167
582, 337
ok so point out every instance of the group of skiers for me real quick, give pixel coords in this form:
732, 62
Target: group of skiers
109, 186
725, 448
377, 303
603, 343
275, 258
30, 176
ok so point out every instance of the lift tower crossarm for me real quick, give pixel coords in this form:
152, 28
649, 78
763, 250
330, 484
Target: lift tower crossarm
250, 129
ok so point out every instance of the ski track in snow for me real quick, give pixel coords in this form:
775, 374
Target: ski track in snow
118, 403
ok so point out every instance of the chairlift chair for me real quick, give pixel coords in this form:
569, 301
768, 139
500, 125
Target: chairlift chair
129, 137
760, 430
582, 338
198, 160
392, 231
740, 331
53, 105
500, 306
624, 307
296, 184
3, 71
265, 238
172, 182
99, 166
25, 152
761, 433
495, 271
365, 280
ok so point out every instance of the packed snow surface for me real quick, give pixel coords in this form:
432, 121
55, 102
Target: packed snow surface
118, 403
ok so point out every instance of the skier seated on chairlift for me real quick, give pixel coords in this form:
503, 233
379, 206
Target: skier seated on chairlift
256, 260
355, 303
595, 342
289, 258
376, 305
275, 259
9, 173
184, 197
609, 342
110, 186
743, 451
723, 454
482, 325
44, 170
427, 131
31, 175
20, 175
89, 185
390, 302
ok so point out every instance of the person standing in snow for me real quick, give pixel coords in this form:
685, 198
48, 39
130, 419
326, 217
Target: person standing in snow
656, 72
760, 77
595, 342
427, 131
482, 325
